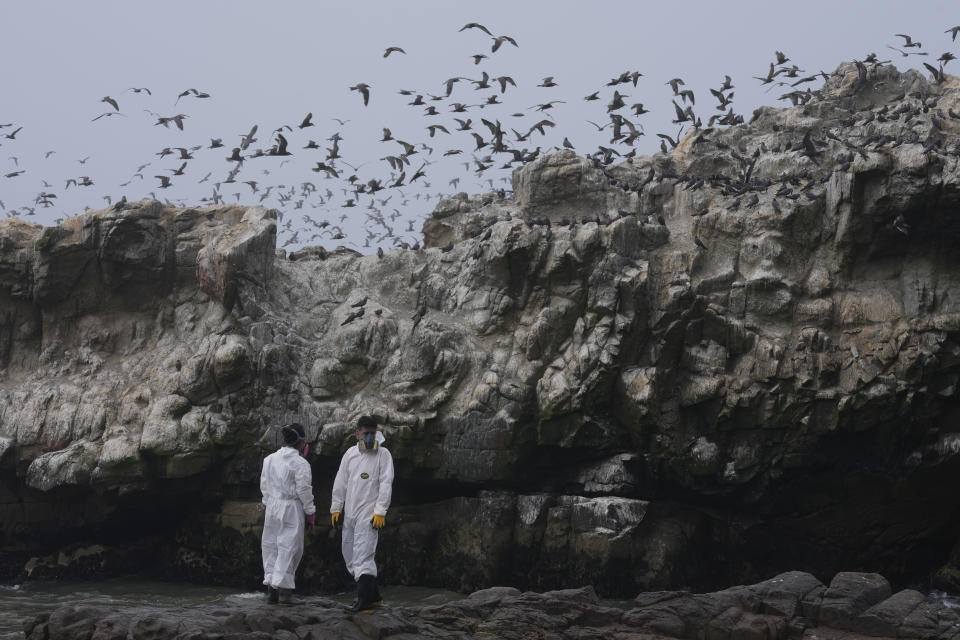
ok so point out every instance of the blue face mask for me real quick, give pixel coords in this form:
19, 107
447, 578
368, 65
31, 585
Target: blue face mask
368, 442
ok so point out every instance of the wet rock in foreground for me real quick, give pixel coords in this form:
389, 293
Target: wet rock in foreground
790, 605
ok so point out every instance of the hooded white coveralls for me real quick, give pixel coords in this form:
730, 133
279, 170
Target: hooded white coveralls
363, 487
287, 488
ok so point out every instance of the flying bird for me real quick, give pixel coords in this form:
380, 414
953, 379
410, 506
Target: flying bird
108, 114
196, 94
499, 40
177, 120
111, 102
908, 41
364, 89
281, 147
392, 49
476, 25
247, 140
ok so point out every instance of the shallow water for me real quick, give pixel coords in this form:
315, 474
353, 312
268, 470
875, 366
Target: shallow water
18, 604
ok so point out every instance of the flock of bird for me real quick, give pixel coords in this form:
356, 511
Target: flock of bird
380, 192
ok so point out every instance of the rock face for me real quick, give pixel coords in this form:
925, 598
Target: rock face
688, 369
791, 605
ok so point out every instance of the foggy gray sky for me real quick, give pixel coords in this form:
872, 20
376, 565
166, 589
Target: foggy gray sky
269, 63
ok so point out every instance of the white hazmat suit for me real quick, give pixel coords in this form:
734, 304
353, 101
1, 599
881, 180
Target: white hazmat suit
363, 487
287, 488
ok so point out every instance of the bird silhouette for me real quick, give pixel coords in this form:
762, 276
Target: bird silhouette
499, 40
364, 90
476, 25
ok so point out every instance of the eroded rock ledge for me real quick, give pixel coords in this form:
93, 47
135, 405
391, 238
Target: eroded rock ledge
709, 365
791, 605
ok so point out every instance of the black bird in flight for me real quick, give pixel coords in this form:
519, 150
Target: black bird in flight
111, 102
281, 147
165, 121
937, 73
770, 76
196, 94
248, 139
908, 41
907, 53
108, 113
392, 49
499, 40
476, 25
953, 32
364, 89
306, 121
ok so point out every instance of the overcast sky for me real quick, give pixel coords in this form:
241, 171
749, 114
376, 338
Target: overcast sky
270, 63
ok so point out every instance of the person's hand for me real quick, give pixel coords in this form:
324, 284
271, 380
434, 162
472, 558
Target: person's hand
312, 520
377, 522
334, 518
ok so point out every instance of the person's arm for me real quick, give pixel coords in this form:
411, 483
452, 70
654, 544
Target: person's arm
304, 479
340, 485
386, 483
263, 481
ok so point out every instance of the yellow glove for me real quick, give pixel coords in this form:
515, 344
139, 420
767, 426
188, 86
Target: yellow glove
377, 522
334, 518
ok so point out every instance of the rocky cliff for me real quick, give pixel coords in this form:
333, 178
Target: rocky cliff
696, 368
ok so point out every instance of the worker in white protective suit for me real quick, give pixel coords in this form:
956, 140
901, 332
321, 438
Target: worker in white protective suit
361, 493
287, 487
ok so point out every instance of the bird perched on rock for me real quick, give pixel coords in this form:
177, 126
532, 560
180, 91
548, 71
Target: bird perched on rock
353, 316
418, 316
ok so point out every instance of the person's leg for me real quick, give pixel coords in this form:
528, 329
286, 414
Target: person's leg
364, 549
268, 549
346, 548
290, 544
289, 548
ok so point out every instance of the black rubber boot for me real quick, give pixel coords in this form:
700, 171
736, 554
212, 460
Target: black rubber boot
356, 601
377, 598
273, 595
287, 597
366, 590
